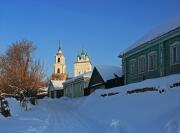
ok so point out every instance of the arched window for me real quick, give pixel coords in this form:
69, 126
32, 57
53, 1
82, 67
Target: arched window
59, 60
58, 70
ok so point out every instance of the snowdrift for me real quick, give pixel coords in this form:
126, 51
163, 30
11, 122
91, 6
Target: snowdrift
148, 112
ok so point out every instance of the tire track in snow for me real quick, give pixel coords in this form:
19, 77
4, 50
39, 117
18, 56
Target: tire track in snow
65, 119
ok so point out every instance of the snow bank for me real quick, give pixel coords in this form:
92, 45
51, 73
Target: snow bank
158, 83
149, 112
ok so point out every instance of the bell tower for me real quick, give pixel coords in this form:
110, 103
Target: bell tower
59, 66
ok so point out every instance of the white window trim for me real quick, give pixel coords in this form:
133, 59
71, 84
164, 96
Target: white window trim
142, 56
132, 60
149, 54
172, 58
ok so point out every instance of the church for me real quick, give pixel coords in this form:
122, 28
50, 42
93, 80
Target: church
59, 81
55, 88
82, 64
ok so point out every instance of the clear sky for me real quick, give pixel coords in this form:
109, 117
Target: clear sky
102, 27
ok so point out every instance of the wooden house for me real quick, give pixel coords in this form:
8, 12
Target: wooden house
55, 89
75, 87
156, 54
104, 77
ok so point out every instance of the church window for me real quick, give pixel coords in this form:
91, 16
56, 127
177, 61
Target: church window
59, 60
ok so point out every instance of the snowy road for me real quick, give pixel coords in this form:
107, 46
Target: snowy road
49, 116
55, 116
63, 118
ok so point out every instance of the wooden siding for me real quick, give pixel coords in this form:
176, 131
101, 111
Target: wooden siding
114, 82
76, 88
170, 69
141, 76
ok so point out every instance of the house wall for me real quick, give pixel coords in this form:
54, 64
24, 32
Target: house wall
162, 47
53, 93
68, 90
141, 76
75, 88
59, 93
49, 94
79, 89
114, 82
170, 69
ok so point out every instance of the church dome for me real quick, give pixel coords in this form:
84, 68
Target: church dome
60, 52
82, 53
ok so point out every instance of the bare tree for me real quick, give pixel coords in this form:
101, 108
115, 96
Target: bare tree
19, 71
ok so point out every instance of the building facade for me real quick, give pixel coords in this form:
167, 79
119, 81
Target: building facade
155, 55
82, 64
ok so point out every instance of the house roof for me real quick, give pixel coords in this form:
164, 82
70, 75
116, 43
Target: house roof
85, 75
57, 84
108, 72
156, 32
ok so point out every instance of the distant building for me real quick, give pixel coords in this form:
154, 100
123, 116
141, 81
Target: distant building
75, 87
156, 54
42, 92
82, 64
56, 89
104, 77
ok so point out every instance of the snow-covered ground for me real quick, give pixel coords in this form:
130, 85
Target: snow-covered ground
149, 112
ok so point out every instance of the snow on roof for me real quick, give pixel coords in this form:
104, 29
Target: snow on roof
43, 89
57, 84
109, 72
166, 27
85, 75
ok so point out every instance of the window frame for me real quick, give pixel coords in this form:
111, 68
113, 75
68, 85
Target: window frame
131, 71
140, 57
155, 66
174, 45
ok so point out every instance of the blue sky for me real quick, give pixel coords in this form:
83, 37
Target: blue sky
102, 27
